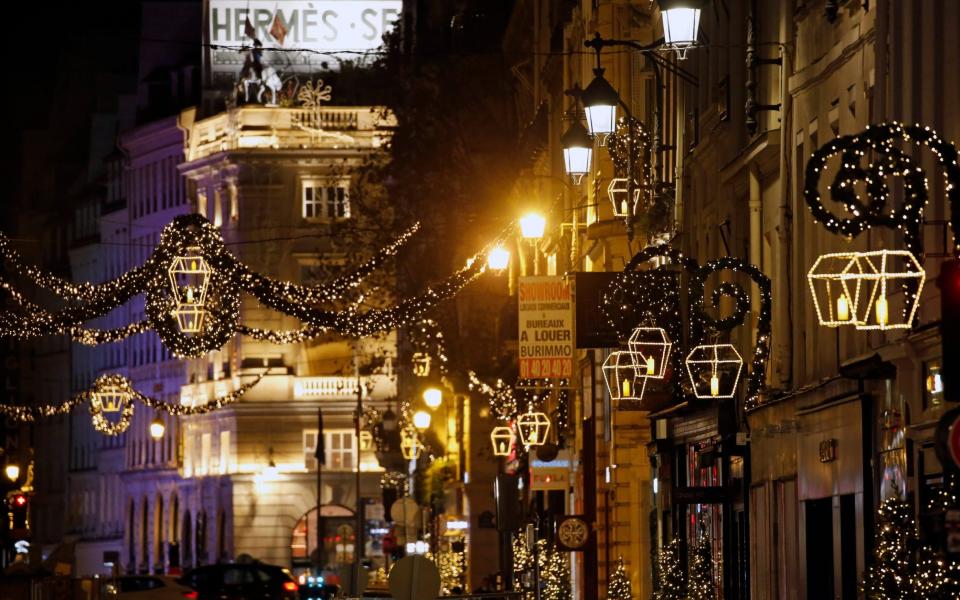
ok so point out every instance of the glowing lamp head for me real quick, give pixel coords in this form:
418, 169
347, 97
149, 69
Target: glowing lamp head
577, 151
12, 472
681, 21
157, 428
600, 105
432, 397
421, 420
532, 226
498, 259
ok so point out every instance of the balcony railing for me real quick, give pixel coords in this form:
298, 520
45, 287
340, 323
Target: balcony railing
373, 387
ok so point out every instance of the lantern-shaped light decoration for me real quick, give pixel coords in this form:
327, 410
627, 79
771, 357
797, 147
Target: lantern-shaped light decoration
421, 364
189, 279
714, 370
681, 22
841, 292
502, 439
650, 350
620, 375
410, 445
619, 194
533, 428
109, 397
577, 151
888, 271
600, 105
366, 441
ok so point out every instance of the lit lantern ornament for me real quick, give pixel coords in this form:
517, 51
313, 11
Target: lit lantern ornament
533, 428
366, 441
410, 445
421, 364
620, 376
502, 439
109, 397
650, 350
189, 280
714, 370
841, 295
619, 194
890, 269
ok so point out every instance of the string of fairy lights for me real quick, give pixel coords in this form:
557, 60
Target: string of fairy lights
192, 286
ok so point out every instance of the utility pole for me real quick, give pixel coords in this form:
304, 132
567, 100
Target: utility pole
358, 536
320, 454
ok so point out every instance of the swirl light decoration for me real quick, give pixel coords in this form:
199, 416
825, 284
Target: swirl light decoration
862, 214
190, 321
653, 295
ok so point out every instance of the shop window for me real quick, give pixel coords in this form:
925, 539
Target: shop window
932, 384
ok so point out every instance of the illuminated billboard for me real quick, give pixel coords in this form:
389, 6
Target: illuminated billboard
297, 36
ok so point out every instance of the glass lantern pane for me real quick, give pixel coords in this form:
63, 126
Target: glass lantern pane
680, 25
577, 160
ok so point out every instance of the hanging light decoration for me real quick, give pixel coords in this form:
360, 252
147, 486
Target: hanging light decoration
110, 395
619, 194
896, 268
650, 350
410, 445
714, 370
577, 151
533, 428
421, 364
189, 280
620, 375
502, 439
841, 296
366, 441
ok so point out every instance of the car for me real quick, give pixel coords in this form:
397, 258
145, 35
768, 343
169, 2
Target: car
147, 587
247, 581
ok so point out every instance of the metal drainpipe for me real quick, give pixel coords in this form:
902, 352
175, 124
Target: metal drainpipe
756, 240
784, 322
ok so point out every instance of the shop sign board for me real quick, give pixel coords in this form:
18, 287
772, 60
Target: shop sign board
546, 327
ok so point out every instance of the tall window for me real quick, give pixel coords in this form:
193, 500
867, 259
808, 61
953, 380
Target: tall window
325, 199
340, 449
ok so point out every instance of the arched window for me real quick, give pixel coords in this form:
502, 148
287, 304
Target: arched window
337, 524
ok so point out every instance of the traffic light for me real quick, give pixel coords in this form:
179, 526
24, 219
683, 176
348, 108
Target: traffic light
949, 283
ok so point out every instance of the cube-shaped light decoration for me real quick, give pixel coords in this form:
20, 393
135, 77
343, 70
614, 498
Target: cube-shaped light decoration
888, 271
421, 364
841, 292
714, 370
650, 350
619, 194
502, 439
110, 398
410, 445
533, 428
620, 375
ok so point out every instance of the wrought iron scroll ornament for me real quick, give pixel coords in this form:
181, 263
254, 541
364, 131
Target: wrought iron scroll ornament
636, 296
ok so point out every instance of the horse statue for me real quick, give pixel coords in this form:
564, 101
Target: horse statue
264, 77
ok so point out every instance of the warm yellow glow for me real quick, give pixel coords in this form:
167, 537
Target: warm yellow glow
421, 420
502, 439
532, 226
13, 472
157, 428
625, 388
843, 308
883, 311
433, 398
651, 366
714, 385
498, 259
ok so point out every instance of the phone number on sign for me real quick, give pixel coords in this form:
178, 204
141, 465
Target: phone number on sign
538, 368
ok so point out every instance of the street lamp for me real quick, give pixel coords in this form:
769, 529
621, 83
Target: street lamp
577, 151
600, 102
12, 471
157, 428
433, 398
498, 259
681, 21
532, 226
421, 420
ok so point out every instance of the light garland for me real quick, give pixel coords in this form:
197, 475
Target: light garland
714, 370
174, 318
700, 585
653, 296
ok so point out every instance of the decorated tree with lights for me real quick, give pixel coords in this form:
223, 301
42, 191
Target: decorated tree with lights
891, 575
553, 564
618, 588
671, 579
700, 584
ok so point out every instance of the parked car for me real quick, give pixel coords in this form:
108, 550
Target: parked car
148, 587
253, 581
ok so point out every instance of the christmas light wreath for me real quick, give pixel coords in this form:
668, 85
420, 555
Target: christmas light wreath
192, 235
653, 296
